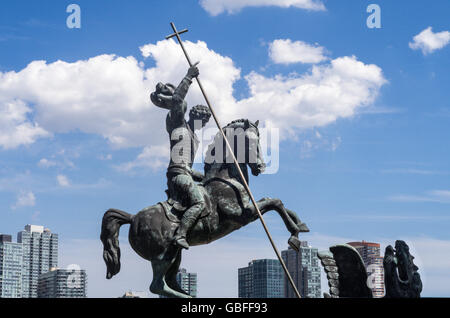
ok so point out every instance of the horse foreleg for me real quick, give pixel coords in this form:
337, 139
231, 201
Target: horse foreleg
302, 226
269, 204
290, 218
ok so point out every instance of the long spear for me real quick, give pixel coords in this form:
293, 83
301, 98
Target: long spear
177, 35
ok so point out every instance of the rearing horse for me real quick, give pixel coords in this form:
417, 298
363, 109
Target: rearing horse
228, 208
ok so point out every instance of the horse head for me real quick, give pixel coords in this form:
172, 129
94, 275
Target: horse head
244, 138
254, 156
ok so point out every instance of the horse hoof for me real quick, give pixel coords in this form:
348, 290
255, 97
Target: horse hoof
303, 228
294, 242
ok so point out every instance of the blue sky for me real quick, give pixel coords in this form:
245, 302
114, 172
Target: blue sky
80, 136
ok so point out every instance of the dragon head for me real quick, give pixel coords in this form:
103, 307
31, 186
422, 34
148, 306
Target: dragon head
401, 277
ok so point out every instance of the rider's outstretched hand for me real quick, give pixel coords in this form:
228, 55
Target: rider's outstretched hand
193, 71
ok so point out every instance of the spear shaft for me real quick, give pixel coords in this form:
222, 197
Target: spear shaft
177, 35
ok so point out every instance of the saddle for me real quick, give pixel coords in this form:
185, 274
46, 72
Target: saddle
174, 210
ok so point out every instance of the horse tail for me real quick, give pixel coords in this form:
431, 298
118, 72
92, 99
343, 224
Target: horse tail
112, 221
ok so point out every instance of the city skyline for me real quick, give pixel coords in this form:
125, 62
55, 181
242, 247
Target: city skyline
362, 114
303, 267
29, 267
265, 278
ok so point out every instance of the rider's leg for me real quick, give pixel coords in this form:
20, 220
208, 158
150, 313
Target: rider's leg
196, 207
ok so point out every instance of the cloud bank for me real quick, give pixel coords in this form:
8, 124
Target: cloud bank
108, 95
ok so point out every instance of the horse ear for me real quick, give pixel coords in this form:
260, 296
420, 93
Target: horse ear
246, 124
257, 123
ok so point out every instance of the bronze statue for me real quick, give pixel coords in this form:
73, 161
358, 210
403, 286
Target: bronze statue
194, 213
200, 208
227, 208
183, 147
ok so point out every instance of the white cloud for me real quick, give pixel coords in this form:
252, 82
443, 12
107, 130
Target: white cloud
153, 157
436, 196
45, 163
329, 92
428, 41
24, 199
216, 7
317, 98
61, 159
109, 95
313, 142
286, 52
63, 181
105, 95
15, 128
171, 66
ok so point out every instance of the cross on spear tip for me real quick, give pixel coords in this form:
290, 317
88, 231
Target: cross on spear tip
177, 35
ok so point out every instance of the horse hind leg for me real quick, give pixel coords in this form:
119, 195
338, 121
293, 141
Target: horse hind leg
159, 285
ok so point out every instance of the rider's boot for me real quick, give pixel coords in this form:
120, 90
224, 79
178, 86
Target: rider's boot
187, 222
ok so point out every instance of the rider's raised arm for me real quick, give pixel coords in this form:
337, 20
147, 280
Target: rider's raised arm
179, 107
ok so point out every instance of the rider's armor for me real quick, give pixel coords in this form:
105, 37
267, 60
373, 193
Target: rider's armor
183, 141
183, 145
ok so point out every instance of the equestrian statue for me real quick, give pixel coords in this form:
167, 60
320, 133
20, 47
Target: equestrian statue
200, 207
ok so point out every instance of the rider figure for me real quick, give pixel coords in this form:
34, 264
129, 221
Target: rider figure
181, 178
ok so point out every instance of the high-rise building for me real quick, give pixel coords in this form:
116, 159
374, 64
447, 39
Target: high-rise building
40, 254
262, 278
62, 283
11, 258
370, 253
305, 271
187, 281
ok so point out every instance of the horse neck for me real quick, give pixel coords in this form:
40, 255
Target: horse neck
227, 171
234, 173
